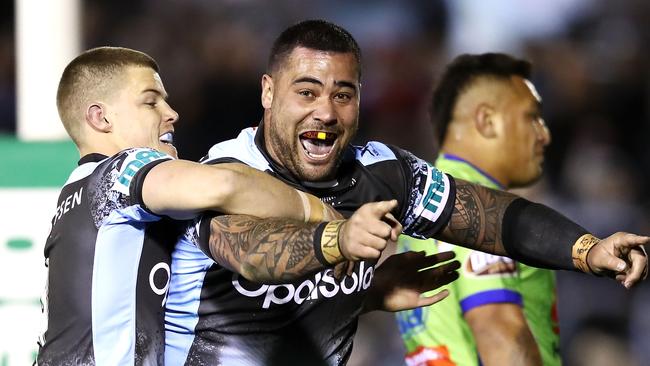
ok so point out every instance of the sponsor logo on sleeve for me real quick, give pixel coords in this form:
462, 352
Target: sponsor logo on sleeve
436, 194
135, 162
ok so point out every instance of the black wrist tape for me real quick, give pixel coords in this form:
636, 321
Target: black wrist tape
539, 236
318, 234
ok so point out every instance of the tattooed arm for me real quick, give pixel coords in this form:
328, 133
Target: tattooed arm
502, 223
282, 250
275, 250
477, 216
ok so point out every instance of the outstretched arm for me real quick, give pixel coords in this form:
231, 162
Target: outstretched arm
281, 250
476, 219
502, 223
182, 189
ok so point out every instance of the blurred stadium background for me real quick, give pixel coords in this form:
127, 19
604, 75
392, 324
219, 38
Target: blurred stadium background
590, 66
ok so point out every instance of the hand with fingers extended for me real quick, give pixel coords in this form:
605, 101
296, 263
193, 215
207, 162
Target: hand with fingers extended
401, 281
620, 255
367, 232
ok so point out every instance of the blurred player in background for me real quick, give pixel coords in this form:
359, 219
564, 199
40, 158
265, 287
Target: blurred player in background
487, 120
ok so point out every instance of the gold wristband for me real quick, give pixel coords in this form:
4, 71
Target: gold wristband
329, 243
580, 251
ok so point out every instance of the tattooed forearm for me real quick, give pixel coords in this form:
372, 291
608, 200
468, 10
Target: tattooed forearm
476, 220
269, 251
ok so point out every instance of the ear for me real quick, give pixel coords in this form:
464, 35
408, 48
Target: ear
267, 91
485, 119
96, 118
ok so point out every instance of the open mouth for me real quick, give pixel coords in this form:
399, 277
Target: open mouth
318, 144
167, 138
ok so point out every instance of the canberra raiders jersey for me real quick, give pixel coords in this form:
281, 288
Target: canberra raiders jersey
108, 262
216, 317
438, 335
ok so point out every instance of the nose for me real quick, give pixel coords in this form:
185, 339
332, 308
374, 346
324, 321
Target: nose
170, 115
543, 133
324, 111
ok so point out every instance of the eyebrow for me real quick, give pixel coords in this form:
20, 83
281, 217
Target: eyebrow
340, 83
164, 96
307, 79
344, 83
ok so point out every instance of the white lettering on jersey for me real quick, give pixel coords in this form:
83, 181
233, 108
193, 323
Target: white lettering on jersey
323, 284
157, 290
68, 204
135, 160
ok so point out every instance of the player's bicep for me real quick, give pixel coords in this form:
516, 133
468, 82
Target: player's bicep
181, 189
476, 217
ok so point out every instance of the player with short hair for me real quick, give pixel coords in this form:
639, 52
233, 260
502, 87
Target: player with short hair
310, 96
109, 250
487, 119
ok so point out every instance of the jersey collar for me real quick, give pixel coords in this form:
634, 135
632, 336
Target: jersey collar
448, 156
91, 158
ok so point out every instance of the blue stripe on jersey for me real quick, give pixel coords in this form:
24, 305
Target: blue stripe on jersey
115, 272
189, 267
373, 152
498, 296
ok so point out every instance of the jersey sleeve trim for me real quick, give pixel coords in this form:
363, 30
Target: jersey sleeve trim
135, 190
499, 296
222, 161
203, 242
445, 215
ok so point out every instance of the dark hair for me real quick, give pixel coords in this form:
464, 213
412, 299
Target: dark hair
91, 73
314, 34
460, 74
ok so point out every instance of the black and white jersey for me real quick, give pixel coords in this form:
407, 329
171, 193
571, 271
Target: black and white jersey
216, 317
108, 261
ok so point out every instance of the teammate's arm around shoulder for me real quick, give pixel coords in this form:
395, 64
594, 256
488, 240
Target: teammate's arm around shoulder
502, 335
280, 250
181, 189
502, 223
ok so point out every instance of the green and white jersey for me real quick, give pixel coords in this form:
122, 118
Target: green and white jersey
438, 335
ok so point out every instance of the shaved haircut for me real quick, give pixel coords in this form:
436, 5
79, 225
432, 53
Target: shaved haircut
92, 75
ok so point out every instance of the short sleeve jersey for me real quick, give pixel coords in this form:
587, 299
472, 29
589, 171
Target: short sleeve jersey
438, 335
108, 261
216, 317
